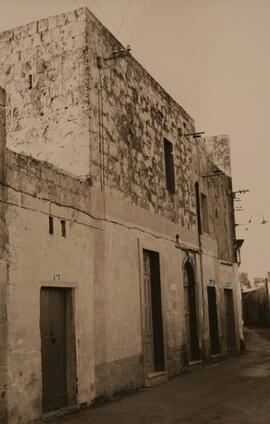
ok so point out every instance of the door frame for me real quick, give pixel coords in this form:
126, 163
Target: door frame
212, 341
232, 294
71, 342
198, 324
152, 246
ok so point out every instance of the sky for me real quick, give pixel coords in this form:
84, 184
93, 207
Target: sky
213, 57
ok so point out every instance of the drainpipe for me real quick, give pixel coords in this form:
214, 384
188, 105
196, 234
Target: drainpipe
3, 263
267, 300
201, 267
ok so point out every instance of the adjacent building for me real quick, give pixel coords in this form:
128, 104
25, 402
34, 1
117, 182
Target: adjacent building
259, 281
117, 250
255, 301
244, 281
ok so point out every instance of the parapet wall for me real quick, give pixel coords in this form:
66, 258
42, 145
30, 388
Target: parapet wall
43, 180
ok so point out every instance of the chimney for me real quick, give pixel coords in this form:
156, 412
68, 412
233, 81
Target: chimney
2, 133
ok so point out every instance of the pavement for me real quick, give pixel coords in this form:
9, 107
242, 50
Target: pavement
233, 391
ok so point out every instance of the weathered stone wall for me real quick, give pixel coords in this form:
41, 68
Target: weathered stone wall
42, 68
218, 189
223, 217
130, 116
218, 149
3, 263
109, 123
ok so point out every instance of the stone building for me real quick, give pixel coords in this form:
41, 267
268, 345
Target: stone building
244, 281
259, 282
118, 261
256, 306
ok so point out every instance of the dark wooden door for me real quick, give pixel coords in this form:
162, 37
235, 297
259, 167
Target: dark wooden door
230, 320
53, 348
148, 322
187, 318
213, 320
191, 313
194, 341
153, 326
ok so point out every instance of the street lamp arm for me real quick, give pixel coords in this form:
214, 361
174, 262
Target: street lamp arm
263, 221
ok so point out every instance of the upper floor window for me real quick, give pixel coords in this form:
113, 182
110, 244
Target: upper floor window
169, 166
63, 228
50, 225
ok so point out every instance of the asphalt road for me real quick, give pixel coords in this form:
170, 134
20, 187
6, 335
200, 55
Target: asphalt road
234, 391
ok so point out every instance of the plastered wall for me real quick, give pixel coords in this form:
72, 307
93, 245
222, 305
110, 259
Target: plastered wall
108, 124
35, 191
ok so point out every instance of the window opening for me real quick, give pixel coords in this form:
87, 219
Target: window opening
50, 225
63, 228
169, 166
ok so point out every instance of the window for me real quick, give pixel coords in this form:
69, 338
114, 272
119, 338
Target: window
169, 166
63, 228
50, 225
204, 208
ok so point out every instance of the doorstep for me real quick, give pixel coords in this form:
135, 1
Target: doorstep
49, 416
196, 363
156, 378
216, 357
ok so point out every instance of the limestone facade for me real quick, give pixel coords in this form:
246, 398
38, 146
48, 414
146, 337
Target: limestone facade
95, 142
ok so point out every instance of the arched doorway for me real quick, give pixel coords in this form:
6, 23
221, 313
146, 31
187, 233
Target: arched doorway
191, 312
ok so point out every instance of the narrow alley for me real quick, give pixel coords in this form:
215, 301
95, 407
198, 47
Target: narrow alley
233, 391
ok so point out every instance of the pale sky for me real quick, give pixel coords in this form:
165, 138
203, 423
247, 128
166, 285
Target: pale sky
213, 57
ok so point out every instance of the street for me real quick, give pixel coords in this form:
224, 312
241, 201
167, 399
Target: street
233, 391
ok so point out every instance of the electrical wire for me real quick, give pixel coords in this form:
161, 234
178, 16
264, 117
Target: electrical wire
102, 11
50, 214
112, 24
124, 17
102, 219
181, 246
77, 3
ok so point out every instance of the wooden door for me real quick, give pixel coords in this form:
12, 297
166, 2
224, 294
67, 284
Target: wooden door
213, 320
191, 313
194, 341
53, 348
187, 318
153, 325
230, 320
148, 322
